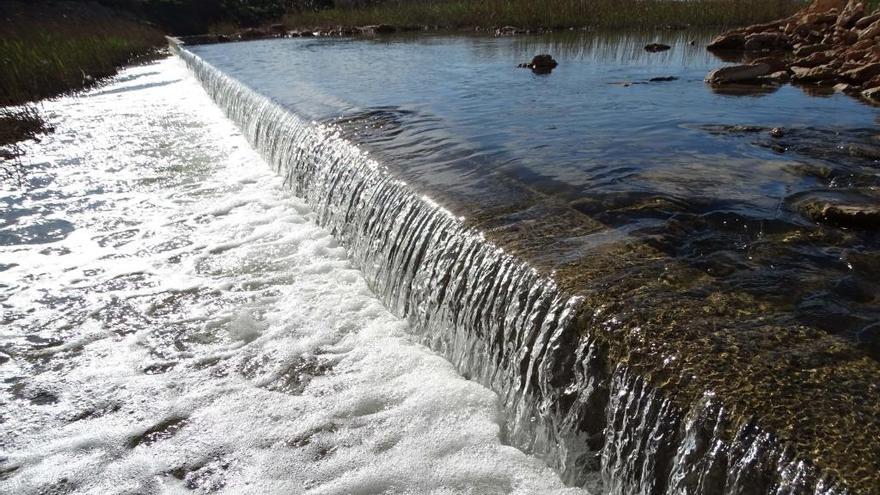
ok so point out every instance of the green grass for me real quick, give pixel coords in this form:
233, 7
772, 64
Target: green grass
552, 13
45, 58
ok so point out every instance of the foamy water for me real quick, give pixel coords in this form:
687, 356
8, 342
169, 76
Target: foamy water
174, 320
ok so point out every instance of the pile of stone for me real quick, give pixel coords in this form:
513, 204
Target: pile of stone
831, 42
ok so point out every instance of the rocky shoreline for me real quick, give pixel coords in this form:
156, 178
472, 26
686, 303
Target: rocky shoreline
831, 43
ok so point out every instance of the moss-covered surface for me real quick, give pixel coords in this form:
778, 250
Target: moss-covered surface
689, 332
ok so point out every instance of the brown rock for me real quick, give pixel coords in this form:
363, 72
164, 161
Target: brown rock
728, 41
780, 77
813, 75
854, 55
813, 60
775, 63
870, 32
846, 37
766, 41
863, 74
807, 50
872, 94
867, 21
873, 83
853, 11
737, 73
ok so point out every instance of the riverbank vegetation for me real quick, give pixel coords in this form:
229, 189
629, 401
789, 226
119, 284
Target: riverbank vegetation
59, 48
546, 14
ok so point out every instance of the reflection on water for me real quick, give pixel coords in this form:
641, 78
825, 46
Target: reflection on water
658, 161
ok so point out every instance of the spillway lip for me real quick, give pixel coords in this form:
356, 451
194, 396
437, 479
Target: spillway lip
814, 397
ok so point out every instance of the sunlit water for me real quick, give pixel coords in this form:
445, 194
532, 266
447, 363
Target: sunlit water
174, 320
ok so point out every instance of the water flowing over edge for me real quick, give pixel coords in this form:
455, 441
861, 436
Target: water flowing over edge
505, 325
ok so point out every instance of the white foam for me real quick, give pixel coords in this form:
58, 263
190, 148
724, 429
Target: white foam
196, 294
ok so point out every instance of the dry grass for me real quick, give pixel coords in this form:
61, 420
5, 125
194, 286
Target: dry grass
552, 13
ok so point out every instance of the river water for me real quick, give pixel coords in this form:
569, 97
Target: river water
620, 276
175, 320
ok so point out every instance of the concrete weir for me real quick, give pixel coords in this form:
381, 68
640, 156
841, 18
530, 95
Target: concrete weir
623, 367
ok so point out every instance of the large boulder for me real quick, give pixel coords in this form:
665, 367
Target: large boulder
738, 73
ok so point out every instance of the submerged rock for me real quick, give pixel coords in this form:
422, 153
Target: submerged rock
851, 209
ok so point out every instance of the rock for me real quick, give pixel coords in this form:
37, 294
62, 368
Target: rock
870, 32
863, 74
867, 21
846, 37
277, 28
873, 83
807, 50
853, 11
737, 73
776, 64
375, 29
656, 47
509, 31
777, 132
728, 41
766, 41
780, 77
540, 64
851, 209
819, 74
872, 94
813, 60
663, 79
842, 87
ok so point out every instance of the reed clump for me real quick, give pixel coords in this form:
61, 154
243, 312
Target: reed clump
549, 13
48, 55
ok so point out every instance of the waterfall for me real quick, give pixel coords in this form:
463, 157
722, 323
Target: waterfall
509, 327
